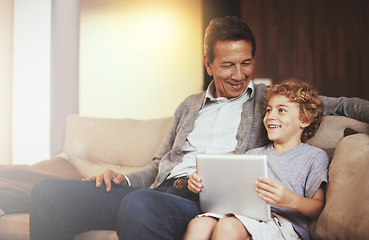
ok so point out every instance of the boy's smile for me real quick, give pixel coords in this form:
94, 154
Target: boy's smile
282, 121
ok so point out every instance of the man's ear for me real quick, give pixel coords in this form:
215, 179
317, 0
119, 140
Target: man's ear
208, 66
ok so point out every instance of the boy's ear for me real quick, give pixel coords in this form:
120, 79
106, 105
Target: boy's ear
305, 123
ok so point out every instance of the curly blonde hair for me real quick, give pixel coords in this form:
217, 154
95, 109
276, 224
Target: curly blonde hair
302, 93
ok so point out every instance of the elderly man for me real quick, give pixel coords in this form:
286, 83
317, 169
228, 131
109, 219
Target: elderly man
155, 202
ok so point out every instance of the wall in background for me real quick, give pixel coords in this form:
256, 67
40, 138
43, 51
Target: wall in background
323, 42
31, 81
42, 86
6, 59
139, 59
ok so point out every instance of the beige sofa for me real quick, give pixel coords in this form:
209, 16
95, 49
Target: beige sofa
92, 145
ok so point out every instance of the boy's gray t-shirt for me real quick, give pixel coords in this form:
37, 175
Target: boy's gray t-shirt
302, 169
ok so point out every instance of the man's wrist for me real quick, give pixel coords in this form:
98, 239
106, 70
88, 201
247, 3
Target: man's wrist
127, 180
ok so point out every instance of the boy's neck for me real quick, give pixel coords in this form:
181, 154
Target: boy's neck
284, 147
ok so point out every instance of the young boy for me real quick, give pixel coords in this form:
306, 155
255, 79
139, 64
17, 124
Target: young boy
297, 172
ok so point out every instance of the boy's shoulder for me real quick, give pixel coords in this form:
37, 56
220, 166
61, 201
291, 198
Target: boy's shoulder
260, 150
303, 147
311, 148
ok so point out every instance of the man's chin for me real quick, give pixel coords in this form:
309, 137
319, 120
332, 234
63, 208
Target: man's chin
234, 94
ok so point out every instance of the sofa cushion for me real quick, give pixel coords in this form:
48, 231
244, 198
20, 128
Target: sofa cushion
16, 181
345, 215
14, 227
123, 145
98, 235
332, 130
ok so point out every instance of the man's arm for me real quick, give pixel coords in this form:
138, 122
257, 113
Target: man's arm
355, 108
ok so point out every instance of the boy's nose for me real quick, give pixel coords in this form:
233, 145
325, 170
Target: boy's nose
271, 115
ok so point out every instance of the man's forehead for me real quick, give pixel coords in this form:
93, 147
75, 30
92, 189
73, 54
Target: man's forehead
233, 48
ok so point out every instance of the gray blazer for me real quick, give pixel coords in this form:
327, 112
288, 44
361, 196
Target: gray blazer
251, 132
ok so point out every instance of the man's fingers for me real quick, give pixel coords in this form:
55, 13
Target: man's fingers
107, 180
107, 177
89, 179
120, 180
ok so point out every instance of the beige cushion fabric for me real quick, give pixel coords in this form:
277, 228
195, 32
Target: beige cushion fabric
331, 132
123, 145
346, 212
14, 227
98, 235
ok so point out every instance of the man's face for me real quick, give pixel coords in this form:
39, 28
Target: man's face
232, 68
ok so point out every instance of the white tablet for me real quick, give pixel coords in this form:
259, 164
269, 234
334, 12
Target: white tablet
229, 184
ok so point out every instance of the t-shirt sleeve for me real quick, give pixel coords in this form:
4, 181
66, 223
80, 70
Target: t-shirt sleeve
318, 173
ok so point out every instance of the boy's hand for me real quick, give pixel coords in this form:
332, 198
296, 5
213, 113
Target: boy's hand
275, 193
194, 183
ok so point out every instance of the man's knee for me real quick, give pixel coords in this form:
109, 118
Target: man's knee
136, 206
43, 190
150, 214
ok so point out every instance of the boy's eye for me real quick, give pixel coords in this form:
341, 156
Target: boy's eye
268, 110
281, 110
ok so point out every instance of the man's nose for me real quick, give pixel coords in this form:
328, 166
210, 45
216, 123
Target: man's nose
238, 74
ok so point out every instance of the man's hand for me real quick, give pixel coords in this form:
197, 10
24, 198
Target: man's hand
108, 176
194, 183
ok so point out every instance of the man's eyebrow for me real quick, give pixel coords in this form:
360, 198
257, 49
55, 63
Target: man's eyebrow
228, 62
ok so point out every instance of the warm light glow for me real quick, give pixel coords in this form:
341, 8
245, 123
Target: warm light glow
139, 58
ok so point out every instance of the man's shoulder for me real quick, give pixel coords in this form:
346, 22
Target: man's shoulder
190, 102
194, 98
260, 89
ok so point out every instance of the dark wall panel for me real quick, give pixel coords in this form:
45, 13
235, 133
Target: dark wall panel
325, 42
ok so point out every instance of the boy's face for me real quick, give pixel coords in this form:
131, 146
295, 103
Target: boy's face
282, 121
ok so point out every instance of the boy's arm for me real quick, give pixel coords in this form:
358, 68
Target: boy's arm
310, 207
278, 195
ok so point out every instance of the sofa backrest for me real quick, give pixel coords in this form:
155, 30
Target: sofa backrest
333, 129
124, 145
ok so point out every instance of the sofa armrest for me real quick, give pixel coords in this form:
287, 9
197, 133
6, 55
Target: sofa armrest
17, 181
345, 215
